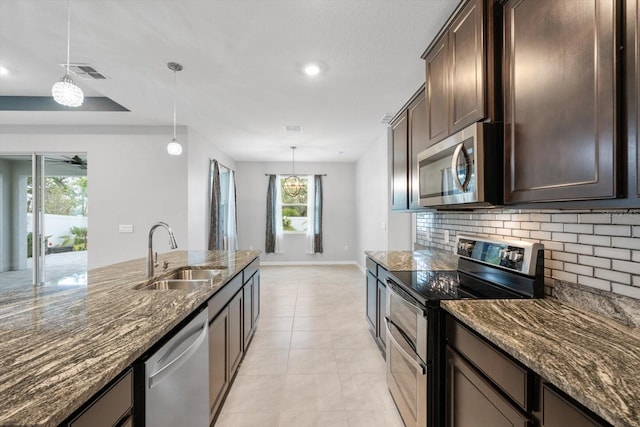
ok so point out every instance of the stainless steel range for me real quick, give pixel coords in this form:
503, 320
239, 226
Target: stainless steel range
487, 269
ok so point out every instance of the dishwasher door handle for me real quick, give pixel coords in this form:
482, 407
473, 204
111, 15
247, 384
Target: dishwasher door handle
169, 368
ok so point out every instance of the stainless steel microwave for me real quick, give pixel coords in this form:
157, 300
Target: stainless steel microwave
463, 169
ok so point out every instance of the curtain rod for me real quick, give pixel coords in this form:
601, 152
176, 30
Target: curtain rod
296, 174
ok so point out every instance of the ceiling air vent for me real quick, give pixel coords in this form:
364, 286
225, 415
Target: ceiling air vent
386, 119
293, 128
85, 71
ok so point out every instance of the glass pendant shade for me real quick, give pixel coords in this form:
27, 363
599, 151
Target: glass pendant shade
174, 148
292, 185
66, 93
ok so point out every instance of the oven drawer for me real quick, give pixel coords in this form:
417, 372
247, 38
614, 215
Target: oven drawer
507, 374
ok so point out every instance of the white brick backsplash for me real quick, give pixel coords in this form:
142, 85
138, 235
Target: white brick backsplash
595, 261
523, 234
577, 249
563, 275
565, 218
579, 228
626, 266
597, 218
591, 248
583, 270
595, 240
594, 283
614, 276
540, 235
565, 237
530, 225
631, 218
612, 253
564, 256
540, 217
612, 230
625, 242
630, 291
554, 265
547, 226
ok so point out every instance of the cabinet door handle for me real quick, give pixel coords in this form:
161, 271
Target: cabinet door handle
454, 168
170, 367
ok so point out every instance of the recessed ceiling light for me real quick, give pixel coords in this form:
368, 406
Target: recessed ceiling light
312, 70
3, 71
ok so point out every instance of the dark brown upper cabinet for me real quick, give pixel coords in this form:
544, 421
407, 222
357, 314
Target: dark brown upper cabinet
457, 71
408, 137
399, 162
632, 41
560, 100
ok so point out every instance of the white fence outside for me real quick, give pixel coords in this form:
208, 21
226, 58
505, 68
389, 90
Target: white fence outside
58, 226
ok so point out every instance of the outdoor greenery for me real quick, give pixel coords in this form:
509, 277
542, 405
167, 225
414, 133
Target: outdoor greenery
77, 239
64, 195
294, 207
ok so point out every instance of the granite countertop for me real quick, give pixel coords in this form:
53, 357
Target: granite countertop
594, 359
62, 344
425, 259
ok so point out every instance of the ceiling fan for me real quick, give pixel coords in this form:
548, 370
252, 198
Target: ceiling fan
74, 161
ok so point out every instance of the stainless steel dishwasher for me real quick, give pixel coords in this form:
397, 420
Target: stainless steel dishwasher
177, 378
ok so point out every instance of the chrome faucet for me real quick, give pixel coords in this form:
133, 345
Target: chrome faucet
151, 260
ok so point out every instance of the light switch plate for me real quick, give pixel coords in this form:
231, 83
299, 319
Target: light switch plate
125, 228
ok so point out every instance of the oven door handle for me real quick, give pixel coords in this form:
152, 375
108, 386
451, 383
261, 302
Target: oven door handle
394, 288
411, 359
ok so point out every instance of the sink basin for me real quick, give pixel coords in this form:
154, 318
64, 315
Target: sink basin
184, 279
195, 274
182, 284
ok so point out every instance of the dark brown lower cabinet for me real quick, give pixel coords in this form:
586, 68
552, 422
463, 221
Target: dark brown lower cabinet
218, 361
247, 323
559, 411
111, 408
372, 290
473, 401
236, 336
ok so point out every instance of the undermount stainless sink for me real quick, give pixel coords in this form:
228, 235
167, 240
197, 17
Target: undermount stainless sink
182, 284
184, 279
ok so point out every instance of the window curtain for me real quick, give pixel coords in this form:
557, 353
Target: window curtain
216, 233
279, 249
232, 219
270, 238
310, 240
317, 224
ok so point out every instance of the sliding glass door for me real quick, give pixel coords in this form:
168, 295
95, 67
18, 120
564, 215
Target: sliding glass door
43, 219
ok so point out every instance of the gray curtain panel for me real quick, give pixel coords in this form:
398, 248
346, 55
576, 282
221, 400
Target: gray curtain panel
270, 240
318, 214
216, 233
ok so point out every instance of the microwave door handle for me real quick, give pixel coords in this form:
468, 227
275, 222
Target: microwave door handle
454, 168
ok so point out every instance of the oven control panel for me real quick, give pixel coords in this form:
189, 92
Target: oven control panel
518, 256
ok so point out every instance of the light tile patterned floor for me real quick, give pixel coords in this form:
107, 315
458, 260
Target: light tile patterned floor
312, 361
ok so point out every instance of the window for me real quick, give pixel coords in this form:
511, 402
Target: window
294, 208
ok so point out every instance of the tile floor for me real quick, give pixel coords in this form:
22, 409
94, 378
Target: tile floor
312, 361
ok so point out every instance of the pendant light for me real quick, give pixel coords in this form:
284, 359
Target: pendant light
292, 184
174, 148
65, 92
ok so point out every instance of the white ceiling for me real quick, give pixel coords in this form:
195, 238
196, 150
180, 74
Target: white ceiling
242, 80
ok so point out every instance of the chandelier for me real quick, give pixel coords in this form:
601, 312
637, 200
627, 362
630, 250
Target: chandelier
65, 92
292, 184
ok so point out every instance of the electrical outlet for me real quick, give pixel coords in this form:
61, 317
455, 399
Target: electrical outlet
446, 236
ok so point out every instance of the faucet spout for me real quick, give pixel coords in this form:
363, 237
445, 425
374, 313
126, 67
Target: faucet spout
172, 243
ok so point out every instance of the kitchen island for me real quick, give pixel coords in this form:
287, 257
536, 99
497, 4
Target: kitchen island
60, 345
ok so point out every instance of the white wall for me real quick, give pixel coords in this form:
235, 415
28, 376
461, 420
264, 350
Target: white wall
131, 180
201, 152
339, 210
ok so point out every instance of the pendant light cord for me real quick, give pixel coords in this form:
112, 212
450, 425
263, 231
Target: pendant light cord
68, 32
174, 104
